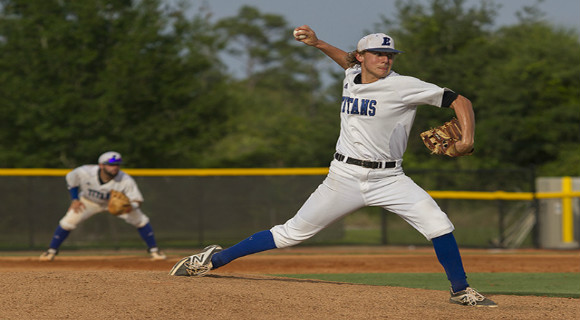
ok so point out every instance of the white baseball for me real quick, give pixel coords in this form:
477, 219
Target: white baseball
299, 36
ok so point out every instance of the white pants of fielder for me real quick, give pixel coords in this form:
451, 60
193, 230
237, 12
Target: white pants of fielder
348, 188
72, 219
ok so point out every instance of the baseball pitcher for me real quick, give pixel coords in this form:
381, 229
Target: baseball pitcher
377, 110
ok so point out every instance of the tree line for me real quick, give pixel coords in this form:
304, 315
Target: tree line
150, 81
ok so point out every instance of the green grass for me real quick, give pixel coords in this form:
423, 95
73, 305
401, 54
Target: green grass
526, 284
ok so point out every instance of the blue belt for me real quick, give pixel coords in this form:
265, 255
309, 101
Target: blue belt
366, 164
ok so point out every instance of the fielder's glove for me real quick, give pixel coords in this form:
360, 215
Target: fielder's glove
119, 203
441, 140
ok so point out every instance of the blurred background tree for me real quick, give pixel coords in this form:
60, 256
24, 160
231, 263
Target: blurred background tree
82, 77
141, 77
282, 120
522, 80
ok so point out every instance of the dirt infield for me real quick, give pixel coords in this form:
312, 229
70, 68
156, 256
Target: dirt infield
127, 285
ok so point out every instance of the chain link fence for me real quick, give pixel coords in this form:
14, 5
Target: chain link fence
188, 211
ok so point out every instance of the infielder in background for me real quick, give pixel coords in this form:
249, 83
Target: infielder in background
89, 187
377, 110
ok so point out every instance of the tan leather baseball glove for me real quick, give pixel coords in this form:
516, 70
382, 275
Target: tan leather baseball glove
441, 140
119, 203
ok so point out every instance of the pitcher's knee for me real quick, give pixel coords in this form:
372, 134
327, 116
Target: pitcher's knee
283, 238
433, 222
293, 232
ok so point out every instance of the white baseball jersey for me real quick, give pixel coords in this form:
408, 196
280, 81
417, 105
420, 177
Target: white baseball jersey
87, 179
376, 118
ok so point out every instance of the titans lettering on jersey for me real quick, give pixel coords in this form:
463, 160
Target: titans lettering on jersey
95, 194
363, 107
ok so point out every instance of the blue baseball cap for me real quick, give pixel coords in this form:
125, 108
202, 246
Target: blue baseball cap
378, 42
110, 157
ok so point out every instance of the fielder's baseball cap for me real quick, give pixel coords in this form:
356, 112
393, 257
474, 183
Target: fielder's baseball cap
110, 157
379, 42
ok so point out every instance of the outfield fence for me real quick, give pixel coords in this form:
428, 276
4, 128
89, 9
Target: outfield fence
195, 207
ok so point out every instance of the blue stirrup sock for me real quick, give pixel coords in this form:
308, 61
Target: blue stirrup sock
448, 255
257, 242
59, 236
146, 232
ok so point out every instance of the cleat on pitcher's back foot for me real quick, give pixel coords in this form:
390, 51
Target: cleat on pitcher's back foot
48, 255
196, 265
470, 297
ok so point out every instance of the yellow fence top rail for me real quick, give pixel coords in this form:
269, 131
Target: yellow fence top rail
180, 172
467, 195
500, 195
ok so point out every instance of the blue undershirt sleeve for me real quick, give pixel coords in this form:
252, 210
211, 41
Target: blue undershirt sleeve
74, 193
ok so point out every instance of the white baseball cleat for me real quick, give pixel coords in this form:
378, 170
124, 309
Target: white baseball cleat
470, 297
48, 255
196, 265
157, 254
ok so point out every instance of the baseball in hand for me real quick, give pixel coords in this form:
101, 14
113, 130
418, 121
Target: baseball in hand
299, 36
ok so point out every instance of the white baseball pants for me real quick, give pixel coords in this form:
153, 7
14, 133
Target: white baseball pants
350, 187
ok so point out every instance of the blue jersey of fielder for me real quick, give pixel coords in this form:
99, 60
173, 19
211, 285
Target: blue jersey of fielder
376, 118
86, 178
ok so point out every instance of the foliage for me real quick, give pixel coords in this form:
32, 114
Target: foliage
80, 78
534, 112
143, 78
282, 121
524, 91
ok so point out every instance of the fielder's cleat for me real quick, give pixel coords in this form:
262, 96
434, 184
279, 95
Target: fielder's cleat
48, 255
470, 297
157, 254
196, 265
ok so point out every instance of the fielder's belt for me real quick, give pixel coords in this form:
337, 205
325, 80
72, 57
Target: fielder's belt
363, 163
